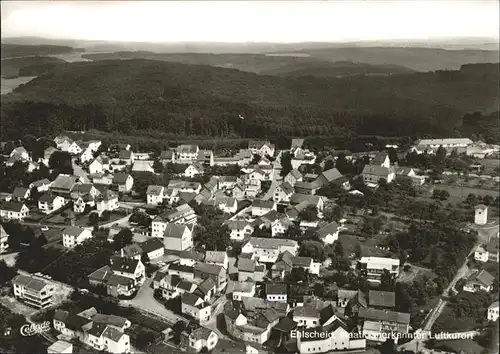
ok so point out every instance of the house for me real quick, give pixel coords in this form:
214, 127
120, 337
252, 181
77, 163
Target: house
446, 143
276, 292
374, 267
261, 148
286, 262
217, 257
261, 207
129, 268
22, 152
133, 251
86, 155
248, 190
183, 214
13, 211
123, 181
189, 258
172, 286
20, 194
257, 174
226, 204
409, 173
267, 250
64, 184
216, 272
283, 192
354, 299
41, 185
70, 146
4, 240
378, 325
239, 229
309, 188
205, 157
331, 176
100, 276
250, 270
73, 236
382, 299
488, 252
84, 189
127, 157
330, 338
307, 200
493, 312
195, 307
60, 347
99, 165
194, 169
479, 281
206, 289
116, 148
143, 166
203, 338
381, 159
183, 271
293, 177
48, 203
306, 316
329, 233
481, 214
187, 153
106, 201
240, 289
102, 179
177, 237
154, 194
167, 156
153, 248
228, 182
372, 174
254, 327
33, 291
118, 285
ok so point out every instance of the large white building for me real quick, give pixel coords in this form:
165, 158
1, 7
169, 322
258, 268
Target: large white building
267, 250
33, 291
374, 267
73, 236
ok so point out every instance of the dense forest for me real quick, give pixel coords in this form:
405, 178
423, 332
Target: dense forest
262, 63
18, 50
28, 66
130, 95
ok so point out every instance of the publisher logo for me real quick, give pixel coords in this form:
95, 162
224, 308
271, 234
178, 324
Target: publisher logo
29, 330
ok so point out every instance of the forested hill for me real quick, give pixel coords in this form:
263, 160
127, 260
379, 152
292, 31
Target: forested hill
202, 100
18, 50
28, 66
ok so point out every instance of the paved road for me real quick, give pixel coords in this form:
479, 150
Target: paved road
418, 343
274, 183
145, 301
217, 308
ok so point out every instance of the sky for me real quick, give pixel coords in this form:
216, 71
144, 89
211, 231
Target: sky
251, 21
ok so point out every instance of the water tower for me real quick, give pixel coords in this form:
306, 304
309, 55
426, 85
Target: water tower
481, 214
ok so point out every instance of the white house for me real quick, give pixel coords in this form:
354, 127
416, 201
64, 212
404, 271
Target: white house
14, 210
239, 229
267, 250
261, 148
73, 236
276, 292
293, 177
195, 307
153, 248
70, 146
123, 181
129, 268
373, 173
107, 201
479, 281
283, 192
143, 166
99, 165
493, 312
187, 153
33, 291
48, 203
177, 237
203, 338
261, 207
86, 155
42, 185
194, 169
374, 267
154, 194
329, 233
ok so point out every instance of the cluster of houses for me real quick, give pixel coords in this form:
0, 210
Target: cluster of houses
254, 282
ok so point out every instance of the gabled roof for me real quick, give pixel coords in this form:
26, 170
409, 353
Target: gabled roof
47, 198
215, 257
482, 277
276, 289
286, 188
112, 334
382, 298
167, 155
298, 198
125, 154
383, 315
296, 143
102, 274
201, 333
97, 329
41, 182
122, 264
379, 158
174, 230
377, 170
190, 299
151, 244
30, 282
187, 149
246, 265
329, 229
212, 269
274, 243
12, 206
206, 285
132, 250
197, 256
155, 190
73, 231
259, 203
116, 280
65, 182
109, 319
331, 175
308, 185
20, 192
82, 188
120, 178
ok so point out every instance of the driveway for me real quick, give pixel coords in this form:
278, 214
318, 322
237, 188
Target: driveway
146, 302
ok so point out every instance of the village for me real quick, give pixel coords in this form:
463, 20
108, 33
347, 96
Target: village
192, 250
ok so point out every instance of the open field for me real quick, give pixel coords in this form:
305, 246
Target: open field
458, 193
368, 246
